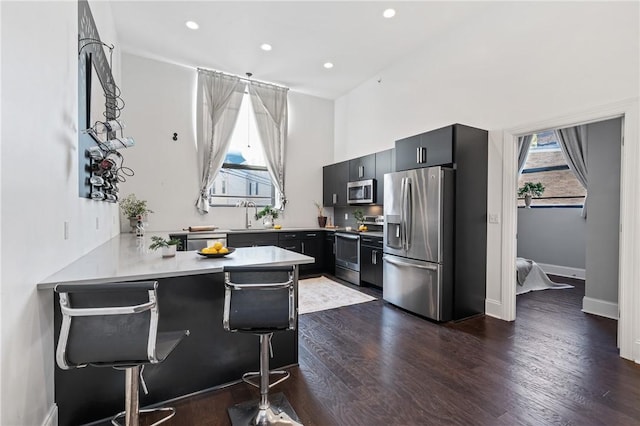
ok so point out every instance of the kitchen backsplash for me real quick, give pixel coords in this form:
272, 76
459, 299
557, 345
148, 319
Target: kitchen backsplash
339, 213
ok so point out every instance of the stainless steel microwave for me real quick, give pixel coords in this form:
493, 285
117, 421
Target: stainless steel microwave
361, 192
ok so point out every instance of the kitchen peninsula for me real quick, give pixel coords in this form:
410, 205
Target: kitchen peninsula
190, 296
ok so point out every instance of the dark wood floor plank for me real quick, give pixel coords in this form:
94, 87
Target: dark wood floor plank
375, 364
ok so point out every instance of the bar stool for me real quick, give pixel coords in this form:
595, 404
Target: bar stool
261, 301
115, 325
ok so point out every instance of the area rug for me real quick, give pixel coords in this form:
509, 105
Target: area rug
321, 293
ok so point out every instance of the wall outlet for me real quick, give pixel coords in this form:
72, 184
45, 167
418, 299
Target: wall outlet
494, 218
66, 230
346, 216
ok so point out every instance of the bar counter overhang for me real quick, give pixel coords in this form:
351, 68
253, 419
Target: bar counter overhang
190, 296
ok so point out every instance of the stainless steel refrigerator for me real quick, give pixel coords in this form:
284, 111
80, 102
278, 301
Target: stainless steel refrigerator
418, 241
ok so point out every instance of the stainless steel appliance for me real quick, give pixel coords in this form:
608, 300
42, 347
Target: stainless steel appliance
348, 257
361, 192
418, 241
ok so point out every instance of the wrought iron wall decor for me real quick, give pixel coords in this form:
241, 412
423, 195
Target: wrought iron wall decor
101, 166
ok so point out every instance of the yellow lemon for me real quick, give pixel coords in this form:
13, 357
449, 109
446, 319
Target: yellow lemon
277, 226
217, 245
223, 250
205, 250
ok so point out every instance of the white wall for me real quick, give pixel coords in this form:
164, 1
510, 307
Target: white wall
159, 101
39, 193
518, 63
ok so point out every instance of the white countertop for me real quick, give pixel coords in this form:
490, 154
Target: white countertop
127, 258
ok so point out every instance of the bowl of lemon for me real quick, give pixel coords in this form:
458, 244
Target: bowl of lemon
216, 250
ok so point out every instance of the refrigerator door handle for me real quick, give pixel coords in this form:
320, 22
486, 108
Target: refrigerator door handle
402, 218
408, 215
410, 265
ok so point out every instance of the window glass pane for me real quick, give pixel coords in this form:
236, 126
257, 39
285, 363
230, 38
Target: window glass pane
546, 164
244, 175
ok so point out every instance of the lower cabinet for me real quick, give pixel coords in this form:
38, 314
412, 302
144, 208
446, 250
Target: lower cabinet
252, 239
371, 260
305, 242
329, 249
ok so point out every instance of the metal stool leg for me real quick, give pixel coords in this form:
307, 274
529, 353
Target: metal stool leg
131, 413
278, 411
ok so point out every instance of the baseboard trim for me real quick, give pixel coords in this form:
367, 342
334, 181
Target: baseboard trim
563, 271
600, 307
493, 308
52, 416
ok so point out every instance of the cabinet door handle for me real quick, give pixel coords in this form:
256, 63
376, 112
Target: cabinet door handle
373, 257
333, 248
335, 198
421, 155
302, 243
360, 171
311, 235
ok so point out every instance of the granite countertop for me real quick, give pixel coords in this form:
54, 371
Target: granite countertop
127, 258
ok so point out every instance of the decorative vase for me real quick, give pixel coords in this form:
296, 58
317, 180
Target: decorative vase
322, 221
267, 221
133, 222
169, 251
527, 201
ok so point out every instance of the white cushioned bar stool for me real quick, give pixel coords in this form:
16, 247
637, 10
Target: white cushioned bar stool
115, 325
261, 301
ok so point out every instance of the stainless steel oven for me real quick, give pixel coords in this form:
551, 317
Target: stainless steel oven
348, 257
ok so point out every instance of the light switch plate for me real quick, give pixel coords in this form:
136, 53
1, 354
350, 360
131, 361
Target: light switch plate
494, 218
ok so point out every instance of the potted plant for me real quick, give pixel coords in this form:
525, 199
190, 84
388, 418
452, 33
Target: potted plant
132, 208
322, 219
267, 214
530, 189
168, 245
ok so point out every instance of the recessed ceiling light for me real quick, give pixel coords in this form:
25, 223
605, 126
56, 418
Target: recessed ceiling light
266, 47
389, 13
192, 25
328, 65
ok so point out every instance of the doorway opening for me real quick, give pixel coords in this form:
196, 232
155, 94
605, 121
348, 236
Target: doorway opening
627, 293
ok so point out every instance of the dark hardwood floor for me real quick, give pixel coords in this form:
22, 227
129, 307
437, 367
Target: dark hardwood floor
374, 364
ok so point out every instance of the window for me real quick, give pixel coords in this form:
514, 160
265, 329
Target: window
244, 175
546, 164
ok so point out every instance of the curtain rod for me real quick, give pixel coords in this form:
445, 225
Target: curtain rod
243, 78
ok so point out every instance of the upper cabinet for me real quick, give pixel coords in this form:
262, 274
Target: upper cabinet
334, 184
336, 176
362, 168
385, 163
434, 148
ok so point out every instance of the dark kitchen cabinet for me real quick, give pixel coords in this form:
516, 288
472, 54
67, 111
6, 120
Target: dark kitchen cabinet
433, 148
385, 163
329, 253
362, 168
252, 239
371, 260
311, 244
305, 242
334, 184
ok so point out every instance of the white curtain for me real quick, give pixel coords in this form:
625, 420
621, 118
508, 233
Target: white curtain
270, 107
218, 102
573, 141
524, 143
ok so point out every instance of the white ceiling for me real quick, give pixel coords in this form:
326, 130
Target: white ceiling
304, 35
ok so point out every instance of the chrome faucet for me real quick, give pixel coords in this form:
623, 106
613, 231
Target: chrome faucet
246, 205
